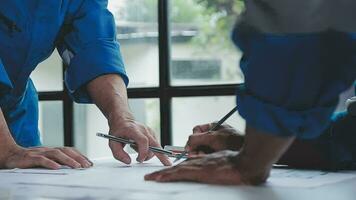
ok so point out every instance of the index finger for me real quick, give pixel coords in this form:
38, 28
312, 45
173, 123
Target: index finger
202, 128
142, 142
163, 158
196, 140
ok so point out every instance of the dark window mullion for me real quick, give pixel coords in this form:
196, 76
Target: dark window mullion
68, 110
68, 115
51, 96
184, 91
164, 67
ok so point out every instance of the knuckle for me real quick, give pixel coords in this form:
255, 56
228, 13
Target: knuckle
45, 148
143, 140
196, 128
60, 149
56, 151
39, 158
191, 137
28, 154
77, 157
68, 160
63, 148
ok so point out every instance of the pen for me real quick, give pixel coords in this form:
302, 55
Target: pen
214, 128
132, 143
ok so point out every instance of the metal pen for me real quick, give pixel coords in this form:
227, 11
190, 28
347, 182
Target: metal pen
132, 143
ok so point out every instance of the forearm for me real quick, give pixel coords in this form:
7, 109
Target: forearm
109, 94
259, 152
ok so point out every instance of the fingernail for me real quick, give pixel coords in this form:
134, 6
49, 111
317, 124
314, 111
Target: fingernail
138, 160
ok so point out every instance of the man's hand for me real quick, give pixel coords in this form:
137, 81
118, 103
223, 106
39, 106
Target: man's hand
218, 168
51, 158
14, 156
142, 135
224, 138
109, 94
251, 166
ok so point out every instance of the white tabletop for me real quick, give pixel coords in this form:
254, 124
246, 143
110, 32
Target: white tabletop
109, 179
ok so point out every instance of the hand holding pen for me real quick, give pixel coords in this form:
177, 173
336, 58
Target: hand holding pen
214, 127
134, 145
224, 138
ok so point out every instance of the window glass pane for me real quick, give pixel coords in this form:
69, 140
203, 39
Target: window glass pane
137, 32
48, 75
51, 123
89, 120
191, 111
202, 51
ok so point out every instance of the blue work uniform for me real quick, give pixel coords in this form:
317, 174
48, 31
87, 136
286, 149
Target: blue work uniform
295, 66
84, 33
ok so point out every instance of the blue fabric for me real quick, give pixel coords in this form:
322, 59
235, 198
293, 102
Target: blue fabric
5, 83
292, 81
91, 39
22, 118
85, 35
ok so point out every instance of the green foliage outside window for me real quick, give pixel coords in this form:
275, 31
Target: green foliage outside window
213, 19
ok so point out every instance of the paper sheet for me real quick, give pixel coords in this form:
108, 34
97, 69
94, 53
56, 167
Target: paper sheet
305, 178
110, 179
64, 170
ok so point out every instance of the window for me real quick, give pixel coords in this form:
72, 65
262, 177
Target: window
137, 31
48, 75
51, 123
202, 52
180, 61
54, 106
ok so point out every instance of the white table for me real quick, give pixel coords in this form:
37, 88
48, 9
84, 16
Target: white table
112, 180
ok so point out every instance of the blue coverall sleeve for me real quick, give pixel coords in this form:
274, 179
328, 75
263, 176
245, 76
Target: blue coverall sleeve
89, 48
5, 82
292, 81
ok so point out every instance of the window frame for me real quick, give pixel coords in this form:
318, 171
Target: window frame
68, 110
164, 91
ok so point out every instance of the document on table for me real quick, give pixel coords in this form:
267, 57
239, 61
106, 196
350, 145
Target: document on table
108, 179
64, 170
108, 174
306, 178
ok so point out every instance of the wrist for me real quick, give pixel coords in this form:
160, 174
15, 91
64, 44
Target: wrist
258, 154
252, 172
7, 150
116, 118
